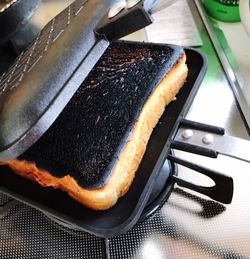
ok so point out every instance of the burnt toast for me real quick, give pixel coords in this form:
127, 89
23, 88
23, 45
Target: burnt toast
94, 147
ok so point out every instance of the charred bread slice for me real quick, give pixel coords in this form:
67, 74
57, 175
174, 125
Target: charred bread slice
93, 149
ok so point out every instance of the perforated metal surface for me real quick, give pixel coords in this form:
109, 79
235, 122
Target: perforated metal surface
4, 199
27, 233
187, 226
28, 59
177, 231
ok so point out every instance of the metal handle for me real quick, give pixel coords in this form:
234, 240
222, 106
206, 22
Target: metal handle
222, 191
207, 140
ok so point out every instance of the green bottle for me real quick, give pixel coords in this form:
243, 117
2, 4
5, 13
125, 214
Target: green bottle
223, 10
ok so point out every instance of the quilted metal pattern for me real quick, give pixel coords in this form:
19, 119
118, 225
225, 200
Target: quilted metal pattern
28, 59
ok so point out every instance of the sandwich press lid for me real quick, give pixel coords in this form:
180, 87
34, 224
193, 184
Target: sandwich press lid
43, 79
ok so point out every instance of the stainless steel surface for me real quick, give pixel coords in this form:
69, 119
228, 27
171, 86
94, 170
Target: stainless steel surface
244, 15
184, 32
223, 144
131, 3
189, 225
153, 6
161, 5
117, 8
5, 4
240, 88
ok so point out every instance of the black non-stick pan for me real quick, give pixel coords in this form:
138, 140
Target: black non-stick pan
128, 209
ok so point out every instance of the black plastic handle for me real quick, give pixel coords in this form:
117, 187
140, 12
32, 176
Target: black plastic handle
222, 191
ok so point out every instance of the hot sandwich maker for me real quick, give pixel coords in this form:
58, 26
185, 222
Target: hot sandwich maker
42, 81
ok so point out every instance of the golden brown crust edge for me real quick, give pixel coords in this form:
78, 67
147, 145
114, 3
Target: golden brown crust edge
130, 158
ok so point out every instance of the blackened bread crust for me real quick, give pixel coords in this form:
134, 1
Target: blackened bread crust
123, 171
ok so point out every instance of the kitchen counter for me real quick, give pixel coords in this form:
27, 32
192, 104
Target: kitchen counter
189, 225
